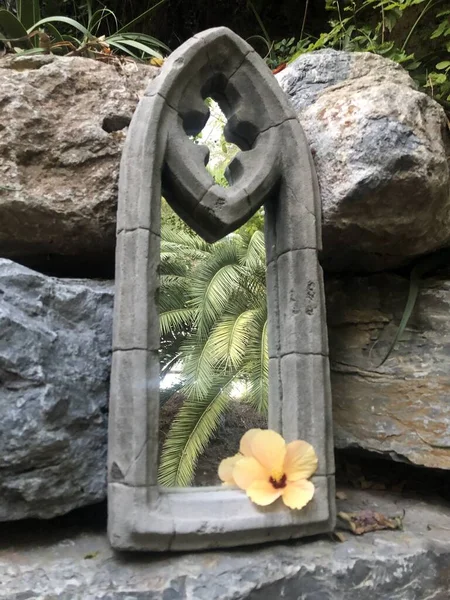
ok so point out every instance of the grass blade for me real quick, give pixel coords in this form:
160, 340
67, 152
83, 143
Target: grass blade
120, 42
66, 20
138, 19
143, 37
97, 18
414, 286
54, 33
429, 263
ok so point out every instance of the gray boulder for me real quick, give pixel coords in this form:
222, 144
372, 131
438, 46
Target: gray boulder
55, 348
380, 149
401, 409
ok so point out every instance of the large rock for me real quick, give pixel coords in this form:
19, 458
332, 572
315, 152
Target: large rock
402, 408
379, 146
63, 125
74, 561
55, 348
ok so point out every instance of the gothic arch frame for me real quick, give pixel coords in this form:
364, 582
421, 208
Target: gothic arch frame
275, 168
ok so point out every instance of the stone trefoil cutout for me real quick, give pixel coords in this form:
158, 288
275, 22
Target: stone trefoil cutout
274, 168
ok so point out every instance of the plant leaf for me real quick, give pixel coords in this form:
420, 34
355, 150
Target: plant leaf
443, 65
28, 12
175, 320
96, 19
229, 338
257, 366
221, 287
66, 20
426, 265
12, 29
142, 37
122, 43
191, 431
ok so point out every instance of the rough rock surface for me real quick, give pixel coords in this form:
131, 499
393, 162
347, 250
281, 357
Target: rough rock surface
63, 123
379, 147
54, 379
401, 409
55, 348
74, 561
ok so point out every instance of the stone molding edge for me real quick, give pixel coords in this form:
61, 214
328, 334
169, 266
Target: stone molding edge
205, 518
274, 168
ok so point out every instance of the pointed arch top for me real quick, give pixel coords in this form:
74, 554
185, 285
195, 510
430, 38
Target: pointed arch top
274, 168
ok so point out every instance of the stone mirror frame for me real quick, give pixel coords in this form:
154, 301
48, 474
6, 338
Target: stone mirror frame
274, 168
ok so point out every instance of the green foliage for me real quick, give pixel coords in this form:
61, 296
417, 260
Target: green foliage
171, 221
176, 321
285, 49
438, 80
60, 33
424, 267
217, 293
403, 30
221, 151
255, 223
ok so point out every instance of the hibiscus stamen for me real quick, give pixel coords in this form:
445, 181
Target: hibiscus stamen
279, 482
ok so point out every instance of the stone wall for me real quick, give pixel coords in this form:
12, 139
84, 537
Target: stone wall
381, 152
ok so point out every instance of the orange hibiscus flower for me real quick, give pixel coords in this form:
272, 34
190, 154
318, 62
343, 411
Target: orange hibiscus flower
267, 468
226, 467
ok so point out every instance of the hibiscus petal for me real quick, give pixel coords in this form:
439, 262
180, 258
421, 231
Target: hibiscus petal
263, 493
245, 445
269, 448
226, 469
300, 461
297, 494
247, 470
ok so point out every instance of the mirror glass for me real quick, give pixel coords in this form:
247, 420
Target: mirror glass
213, 320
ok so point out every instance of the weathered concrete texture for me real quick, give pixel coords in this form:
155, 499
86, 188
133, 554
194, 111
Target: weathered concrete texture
159, 157
401, 409
62, 131
75, 561
55, 352
379, 148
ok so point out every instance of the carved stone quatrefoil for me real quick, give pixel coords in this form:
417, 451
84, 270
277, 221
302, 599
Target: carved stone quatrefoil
274, 168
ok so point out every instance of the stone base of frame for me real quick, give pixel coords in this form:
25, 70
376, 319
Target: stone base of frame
158, 519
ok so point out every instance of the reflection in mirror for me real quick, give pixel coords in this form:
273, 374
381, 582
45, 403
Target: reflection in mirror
213, 317
221, 152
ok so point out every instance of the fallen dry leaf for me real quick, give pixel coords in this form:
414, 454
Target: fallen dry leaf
338, 536
364, 521
341, 496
